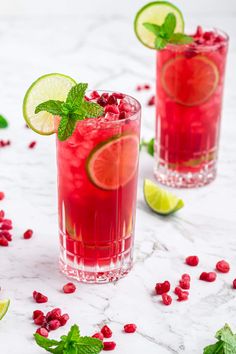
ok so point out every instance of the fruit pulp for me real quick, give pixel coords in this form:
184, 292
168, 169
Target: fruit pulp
97, 208
189, 90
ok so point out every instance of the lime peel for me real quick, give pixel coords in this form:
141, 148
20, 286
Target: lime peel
4, 305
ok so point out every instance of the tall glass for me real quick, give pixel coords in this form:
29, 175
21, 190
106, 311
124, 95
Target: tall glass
188, 112
97, 185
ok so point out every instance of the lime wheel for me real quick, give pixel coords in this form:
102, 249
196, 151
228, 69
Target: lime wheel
113, 163
190, 82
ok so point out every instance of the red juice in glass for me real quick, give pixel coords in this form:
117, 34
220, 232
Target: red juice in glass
97, 184
190, 80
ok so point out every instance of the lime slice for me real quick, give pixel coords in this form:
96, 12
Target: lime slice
113, 163
4, 305
160, 200
155, 12
47, 87
190, 81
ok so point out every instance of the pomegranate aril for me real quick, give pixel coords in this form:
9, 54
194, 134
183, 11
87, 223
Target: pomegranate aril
39, 298
2, 215
106, 331
209, 277
234, 284
2, 195
40, 320
28, 234
166, 299
109, 345
54, 324
94, 95
118, 95
199, 32
162, 288
223, 266
64, 319
6, 226
186, 277
112, 109
105, 95
184, 284
130, 328
147, 87
6, 234
112, 100
69, 288
55, 314
3, 241
102, 101
151, 101
192, 261
122, 115
124, 106
98, 335
42, 331
37, 313
183, 296
138, 88
32, 144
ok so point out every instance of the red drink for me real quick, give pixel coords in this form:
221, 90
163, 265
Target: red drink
190, 81
97, 183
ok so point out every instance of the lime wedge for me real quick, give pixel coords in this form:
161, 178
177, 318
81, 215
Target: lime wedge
4, 305
155, 12
47, 87
102, 167
160, 200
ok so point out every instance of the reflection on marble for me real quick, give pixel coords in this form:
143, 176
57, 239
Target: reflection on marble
104, 52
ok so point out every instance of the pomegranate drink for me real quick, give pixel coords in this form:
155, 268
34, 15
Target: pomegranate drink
97, 183
190, 81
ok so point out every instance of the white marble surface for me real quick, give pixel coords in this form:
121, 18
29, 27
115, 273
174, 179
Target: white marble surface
103, 51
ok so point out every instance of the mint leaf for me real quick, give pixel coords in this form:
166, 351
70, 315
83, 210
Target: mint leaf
152, 28
66, 127
88, 345
74, 333
169, 25
226, 342
160, 43
3, 122
180, 38
149, 146
51, 106
92, 109
76, 95
48, 344
214, 348
226, 335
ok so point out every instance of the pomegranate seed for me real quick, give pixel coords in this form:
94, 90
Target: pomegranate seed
54, 324
98, 335
122, 115
112, 100
151, 101
69, 288
32, 144
39, 298
162, 288
109, 345
42, 331
186, 277
184, 284
125, 107
112, 109
6, 226
146, 87
37, 313
167, 299
234, 284
28, 234
118, 95
106, 331
2, 215
94, 95
3, 241
183, 296
63, 319
2, 195
223, 266
105, 95
192, 261
6, 234
209, 277
130, 328
138, 88
55, 314
102, 101
40, 320
199, 31
86, 98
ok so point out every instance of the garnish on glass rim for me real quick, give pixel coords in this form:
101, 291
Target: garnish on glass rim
165, 33
72, 343
3, 122
75, 108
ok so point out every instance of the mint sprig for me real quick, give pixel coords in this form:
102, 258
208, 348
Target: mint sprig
165, 33
72, 343
226, 343
3, 122
149, 145
75, 108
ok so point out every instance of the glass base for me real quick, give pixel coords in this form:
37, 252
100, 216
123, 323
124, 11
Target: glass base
173, 178
90, 270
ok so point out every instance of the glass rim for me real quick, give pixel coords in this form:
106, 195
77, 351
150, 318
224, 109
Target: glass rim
132, 117
202, 47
